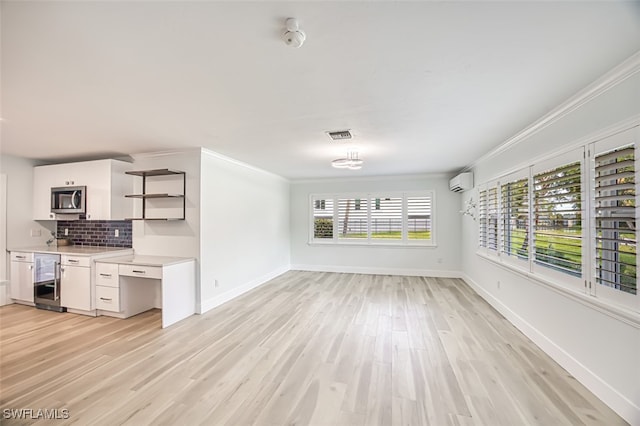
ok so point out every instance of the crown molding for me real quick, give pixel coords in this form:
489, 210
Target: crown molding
624, 125
230, 160
612, 78
201, 151
373, 178
166, 153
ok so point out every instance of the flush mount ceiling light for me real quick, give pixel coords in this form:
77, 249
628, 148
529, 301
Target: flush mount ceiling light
293, 37
352, 162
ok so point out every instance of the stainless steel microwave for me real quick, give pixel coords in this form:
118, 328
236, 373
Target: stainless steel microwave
68, 199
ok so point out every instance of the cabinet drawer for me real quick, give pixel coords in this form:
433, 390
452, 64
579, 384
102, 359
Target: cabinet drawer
141, 271
76, 260
20, 256
107, 274
108, 298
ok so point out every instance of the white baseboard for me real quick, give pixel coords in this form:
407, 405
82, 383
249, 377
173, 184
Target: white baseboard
209, 304
379, 271
610, 396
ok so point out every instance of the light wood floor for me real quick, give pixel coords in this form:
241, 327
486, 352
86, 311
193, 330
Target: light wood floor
307, 348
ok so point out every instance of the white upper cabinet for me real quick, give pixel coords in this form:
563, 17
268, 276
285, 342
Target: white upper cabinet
106, 185
44, 178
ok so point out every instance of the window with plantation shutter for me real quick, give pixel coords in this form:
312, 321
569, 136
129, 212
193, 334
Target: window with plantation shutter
615, 220
352, 218
514, 212
482, 218
419, 218
570, 220
404, 218
322, 218
386, 218
492, 218
557, 218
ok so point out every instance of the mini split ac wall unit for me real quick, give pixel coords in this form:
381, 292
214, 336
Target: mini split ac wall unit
462, 182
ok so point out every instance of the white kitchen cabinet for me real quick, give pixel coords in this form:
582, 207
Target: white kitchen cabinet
43, 181
107, 287
21, 286
122, 298
107, 275
108, 298
126, 286
106, 185
78, 282
52, 176
75, 283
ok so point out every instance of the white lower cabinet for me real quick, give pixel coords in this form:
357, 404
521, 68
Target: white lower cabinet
107, 287
107, 275
21, 286
85, 283
75, 287
121, 295
108, 298
141, 271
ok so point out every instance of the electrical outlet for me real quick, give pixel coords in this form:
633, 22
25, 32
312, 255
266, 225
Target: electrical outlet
36, 232
66, 231
116, 232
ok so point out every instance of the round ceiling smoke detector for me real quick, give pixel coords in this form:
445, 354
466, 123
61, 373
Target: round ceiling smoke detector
293, 37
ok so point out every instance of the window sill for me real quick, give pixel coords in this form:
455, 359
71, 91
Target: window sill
374, 245
617, 312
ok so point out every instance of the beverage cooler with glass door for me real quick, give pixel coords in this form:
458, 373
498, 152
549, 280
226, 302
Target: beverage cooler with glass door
47, 282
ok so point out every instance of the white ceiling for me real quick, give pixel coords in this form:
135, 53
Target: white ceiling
424, 86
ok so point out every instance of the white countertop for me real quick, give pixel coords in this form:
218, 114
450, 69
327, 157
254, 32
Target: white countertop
74, 250
144, 260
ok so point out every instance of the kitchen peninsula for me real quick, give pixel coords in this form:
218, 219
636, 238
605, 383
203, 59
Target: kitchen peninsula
58, 278
110, 281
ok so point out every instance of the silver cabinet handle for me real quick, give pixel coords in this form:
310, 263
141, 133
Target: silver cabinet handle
21, 257
56, 280
106, 275
105, 299
139, 272
73, 261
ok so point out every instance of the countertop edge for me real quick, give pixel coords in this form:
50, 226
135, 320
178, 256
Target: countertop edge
89, 251
147, 260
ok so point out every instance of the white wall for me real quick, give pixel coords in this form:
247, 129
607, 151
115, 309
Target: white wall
443, 260
3, 229
19, 200
170, 238
245, 228
19, 173
600, 350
